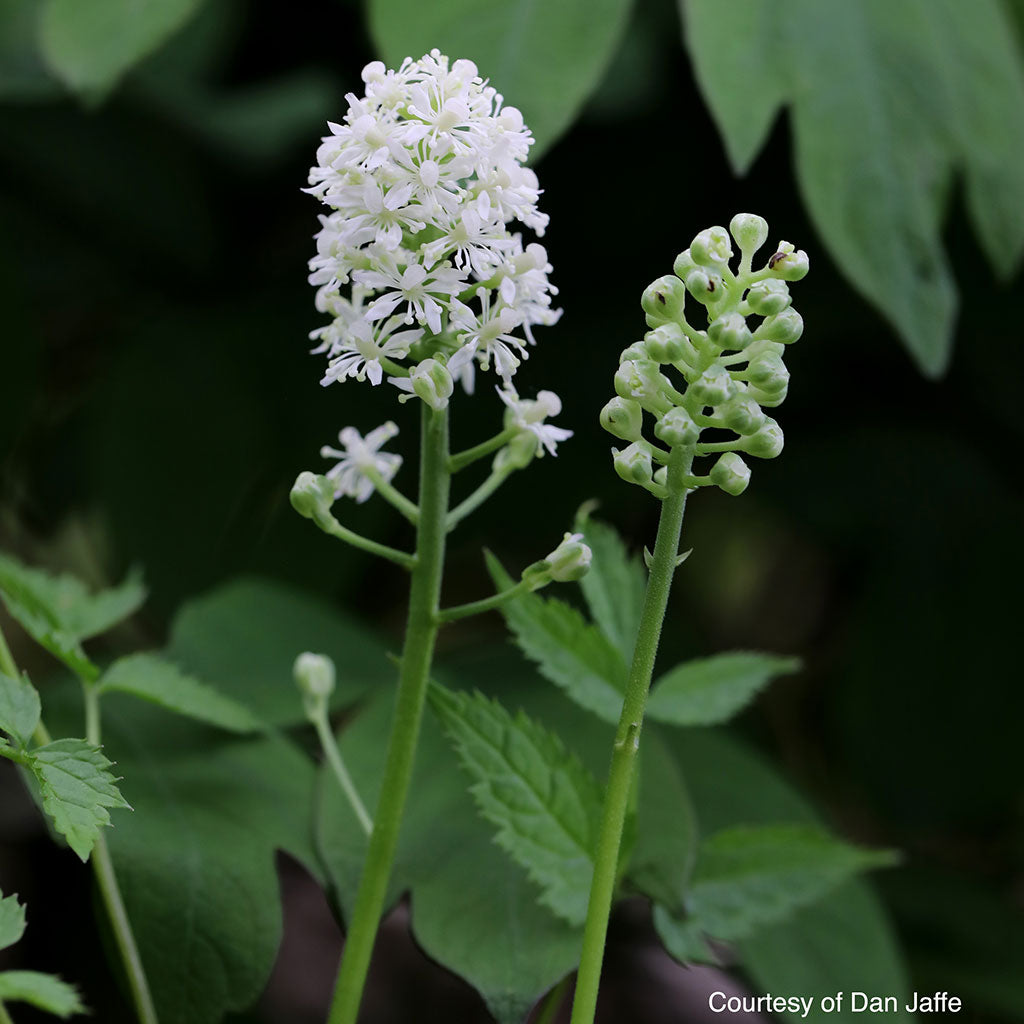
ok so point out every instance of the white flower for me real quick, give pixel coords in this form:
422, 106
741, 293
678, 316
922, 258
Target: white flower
423, 178
529, 415
361, 455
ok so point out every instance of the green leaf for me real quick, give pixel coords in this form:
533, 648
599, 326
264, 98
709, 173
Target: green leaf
748, 876
546, 59
545, 804
887, 101
571, 653
59, 612
91, 45
196, 862
77, 788
244, 638
666, 827
473, 909
709, 691
12, 920
19, 708
615, 586
43, 991
155, 679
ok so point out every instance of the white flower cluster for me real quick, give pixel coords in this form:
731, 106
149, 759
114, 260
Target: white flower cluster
415, 260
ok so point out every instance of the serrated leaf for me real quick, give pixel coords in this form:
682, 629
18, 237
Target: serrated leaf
932, 89
19, 708
749, 876
614, 587
43, 991
12, 920
91, 45
153, 678
77, 788
244, 637
545, 59
666, 827
474, 910
570, 652
709, 691
545, 804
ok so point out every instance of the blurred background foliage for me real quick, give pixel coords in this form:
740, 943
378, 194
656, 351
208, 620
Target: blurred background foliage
158, 399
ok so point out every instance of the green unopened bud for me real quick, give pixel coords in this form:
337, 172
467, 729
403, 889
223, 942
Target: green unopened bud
742, 414
750, 231
641, 381
665, 344
785, 327
664, 301
633, 464
768, 373
767, 442
705, 285
714, 386
789, 263
570, 560
683, 264
730, 473
518, 453
432, 382
624, 418
638, 350
677, 429
730, 332
768, 297
312, 496
712, 248
768, 399
314, 676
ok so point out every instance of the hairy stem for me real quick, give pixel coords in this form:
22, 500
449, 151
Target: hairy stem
420, 635
627, 739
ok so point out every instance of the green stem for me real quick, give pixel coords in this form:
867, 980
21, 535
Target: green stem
337, 763
470, 455
421, 632
478, 497
5, 1017
7, 665
392, 494
106, 879
485, 604
331, 526
627, 740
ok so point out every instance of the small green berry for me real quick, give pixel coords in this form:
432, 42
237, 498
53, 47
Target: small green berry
664, 301
714, 386
741, 414
750, 231
730, 331
633, 464
677, 429
785, 327
767, 443
665, 344
712, 248
624, 418
768, 297
730, 473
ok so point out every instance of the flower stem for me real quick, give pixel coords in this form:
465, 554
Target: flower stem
337, 763
110, 891
627, 739
421, 632
478, 497
332, 527
470, 455
391, 494
485, 604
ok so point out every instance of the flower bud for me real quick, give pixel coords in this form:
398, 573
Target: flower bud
768, 373
624, 418
432, 382
312, 496
767, 442
705, 285
664, 300
641, 381
684, 263
742, 414
712, 248
570, 560
785, 327
730, 332
638, 350
750, 231
789, 263
661, 476
633, 464
665, 344
768, 297
730, 473
677, 429
314, 674
714, 386
768, 399
518, 453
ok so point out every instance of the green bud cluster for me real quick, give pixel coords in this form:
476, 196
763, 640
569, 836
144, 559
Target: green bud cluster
724, 375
